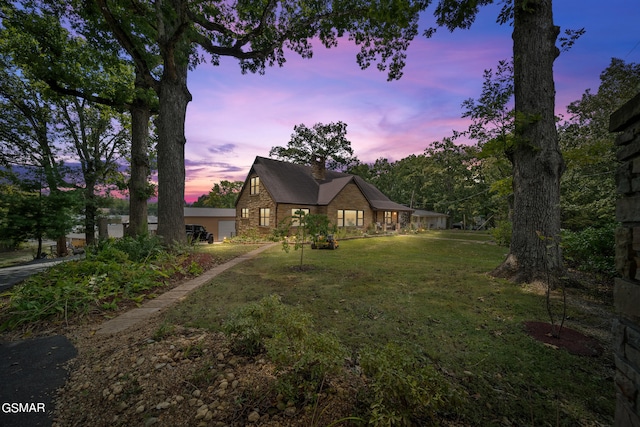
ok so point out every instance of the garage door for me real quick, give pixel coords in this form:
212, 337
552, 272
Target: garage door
226, 229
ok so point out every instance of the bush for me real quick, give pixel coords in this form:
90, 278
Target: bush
303, 357
404, 388
501, 233
592, 249
138, 249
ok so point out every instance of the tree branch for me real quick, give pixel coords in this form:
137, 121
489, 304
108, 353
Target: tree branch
126, 42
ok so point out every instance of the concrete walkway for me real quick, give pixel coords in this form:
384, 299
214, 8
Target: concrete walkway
131, 317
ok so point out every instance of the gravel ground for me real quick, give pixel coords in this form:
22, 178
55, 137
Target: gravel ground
153, 376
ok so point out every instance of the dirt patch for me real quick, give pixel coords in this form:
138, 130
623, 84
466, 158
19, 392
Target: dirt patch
568, 339
302, 268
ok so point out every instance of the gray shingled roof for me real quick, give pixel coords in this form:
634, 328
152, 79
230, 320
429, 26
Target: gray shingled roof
294, 184
427, 214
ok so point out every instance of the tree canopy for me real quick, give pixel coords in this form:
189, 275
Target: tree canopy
588, 185
323, 143
222, 195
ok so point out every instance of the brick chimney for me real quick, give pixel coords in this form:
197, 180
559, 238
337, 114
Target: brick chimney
318, 168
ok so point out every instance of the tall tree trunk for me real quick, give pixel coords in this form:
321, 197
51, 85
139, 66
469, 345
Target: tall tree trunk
138, 185
174, 97
90, 209
537, 162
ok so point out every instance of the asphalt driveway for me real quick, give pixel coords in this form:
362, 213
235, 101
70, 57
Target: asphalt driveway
30, 373
31, 370
10, 276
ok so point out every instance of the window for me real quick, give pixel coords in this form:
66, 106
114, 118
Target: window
255, 185
244, 213
294, 216
388, 217
350, 218
264, 217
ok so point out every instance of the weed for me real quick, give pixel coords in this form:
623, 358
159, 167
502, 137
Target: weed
203, 376
303, 357
193, 351
405, 389
164, 330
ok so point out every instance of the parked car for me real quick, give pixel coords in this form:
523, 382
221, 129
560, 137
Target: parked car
198, 233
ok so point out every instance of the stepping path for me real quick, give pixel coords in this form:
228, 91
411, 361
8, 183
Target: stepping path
131, 317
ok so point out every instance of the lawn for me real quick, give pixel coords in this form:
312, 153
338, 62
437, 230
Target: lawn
431, 293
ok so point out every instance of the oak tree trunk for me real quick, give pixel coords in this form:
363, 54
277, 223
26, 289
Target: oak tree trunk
535, 252
174, 97
138, 185
90, 208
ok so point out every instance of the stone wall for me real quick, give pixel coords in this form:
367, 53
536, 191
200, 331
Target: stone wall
254, 202
626, 328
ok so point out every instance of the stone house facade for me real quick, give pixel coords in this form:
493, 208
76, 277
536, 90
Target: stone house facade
626, 327
274, 190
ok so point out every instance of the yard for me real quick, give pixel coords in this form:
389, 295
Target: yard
429, 294
432, 293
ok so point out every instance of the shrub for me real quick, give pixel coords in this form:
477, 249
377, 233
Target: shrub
141, 248
251, 235
404, 389
592, 249
252, 324
303, 357
501, 233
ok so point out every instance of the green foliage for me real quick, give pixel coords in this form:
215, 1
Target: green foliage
405, 389
74, 287
588, 185
138, 249
302, 356
253, 324
28, 213
592, 249
250, 235
321, 143
114, 271
501, 233
222, 195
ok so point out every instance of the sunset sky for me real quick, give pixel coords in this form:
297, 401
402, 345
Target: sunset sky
233, 117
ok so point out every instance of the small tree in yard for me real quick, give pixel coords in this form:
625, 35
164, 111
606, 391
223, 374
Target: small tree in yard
307, 225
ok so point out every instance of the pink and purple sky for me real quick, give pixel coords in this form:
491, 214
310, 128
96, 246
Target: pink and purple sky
233, 117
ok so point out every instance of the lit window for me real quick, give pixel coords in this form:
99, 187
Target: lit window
350, 218
255, 185
264, 217
388, 217
244, 213
295, 214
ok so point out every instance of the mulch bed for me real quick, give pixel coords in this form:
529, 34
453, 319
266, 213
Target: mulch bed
570, 340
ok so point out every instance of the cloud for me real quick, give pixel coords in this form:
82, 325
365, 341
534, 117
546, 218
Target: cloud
221, 149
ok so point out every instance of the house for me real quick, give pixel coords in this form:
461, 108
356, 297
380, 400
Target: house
428, 220
274, 190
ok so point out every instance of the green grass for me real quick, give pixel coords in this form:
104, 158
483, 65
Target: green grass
24, 254
430, 292
226, 252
